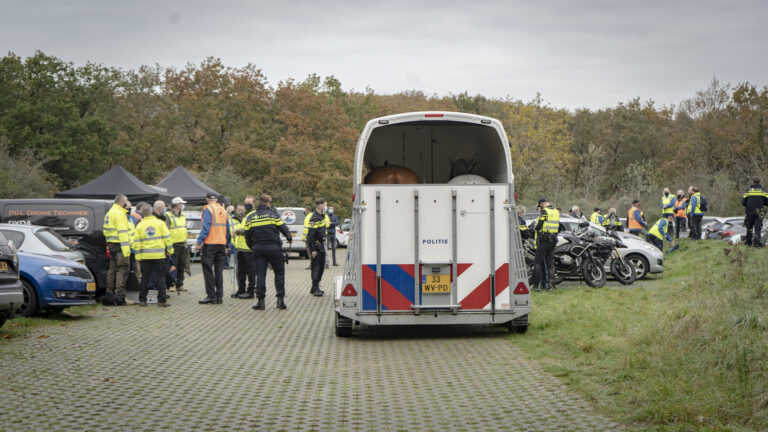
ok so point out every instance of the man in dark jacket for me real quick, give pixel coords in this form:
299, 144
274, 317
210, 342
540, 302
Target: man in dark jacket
316, 234
754, 201
262, 234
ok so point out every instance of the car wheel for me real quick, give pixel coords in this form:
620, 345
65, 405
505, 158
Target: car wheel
304, 255
641, 265
2, 320
29, 307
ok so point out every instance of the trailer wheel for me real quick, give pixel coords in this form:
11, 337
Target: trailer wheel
343, 326
518, 325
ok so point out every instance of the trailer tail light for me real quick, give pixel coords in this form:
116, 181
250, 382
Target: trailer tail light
349, 291
521, 288
433, 115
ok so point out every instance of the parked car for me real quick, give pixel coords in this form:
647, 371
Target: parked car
344, 232
713, 229
52, 284
294, 218
11, 291
194, 225
78, 220
41, 240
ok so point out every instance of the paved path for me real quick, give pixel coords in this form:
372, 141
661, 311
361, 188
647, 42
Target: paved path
228, 367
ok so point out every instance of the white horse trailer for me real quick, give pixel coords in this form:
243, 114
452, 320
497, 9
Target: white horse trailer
441, 251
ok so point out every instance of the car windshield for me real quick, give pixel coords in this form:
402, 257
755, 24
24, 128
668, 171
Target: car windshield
15, 236
3, 240
346, 226
54, 240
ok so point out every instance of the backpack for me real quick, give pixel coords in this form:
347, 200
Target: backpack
704, 206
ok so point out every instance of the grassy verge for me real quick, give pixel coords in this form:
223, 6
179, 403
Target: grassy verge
685, 351
20, 327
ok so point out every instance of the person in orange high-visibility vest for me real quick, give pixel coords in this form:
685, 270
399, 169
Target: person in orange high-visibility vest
214, 239
680, 218
635, 221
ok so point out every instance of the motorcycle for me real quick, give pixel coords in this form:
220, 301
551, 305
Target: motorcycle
608, 249
575, 256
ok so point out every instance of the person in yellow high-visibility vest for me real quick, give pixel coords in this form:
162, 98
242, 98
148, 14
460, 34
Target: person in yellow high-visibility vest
177, 225
117, 232
153, 245
661, 230
547, 226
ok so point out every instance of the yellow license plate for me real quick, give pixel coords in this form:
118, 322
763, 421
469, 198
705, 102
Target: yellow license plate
90, 286
293, 234
3, 267
436, 284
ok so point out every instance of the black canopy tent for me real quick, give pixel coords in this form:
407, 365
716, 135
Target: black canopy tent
183, 184
117, 181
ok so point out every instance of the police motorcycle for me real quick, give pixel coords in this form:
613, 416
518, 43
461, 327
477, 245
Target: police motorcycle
575, 256
608, 249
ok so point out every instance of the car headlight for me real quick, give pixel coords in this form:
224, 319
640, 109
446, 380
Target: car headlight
59, 270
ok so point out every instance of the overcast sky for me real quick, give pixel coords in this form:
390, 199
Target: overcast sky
575, 53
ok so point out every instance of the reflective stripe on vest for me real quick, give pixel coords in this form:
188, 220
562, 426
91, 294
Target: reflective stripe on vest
665, 201
552, 224
595, 218
654, 231
755, 192
217, 234
240, 243
632, 223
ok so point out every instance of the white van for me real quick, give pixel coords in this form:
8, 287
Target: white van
446, 250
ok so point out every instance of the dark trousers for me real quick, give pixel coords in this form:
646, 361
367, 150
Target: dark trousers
119, 268
545, 260
659, 243
318, 266
332, 245
157, 267
695, 226
679, 226
213, 260
753, 221
246, 271
272, 255
179, 260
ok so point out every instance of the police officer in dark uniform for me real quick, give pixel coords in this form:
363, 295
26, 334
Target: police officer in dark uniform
316, 235
262, 234
547, 226
754, 201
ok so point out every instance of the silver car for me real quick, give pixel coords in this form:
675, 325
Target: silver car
40, 240
294, 218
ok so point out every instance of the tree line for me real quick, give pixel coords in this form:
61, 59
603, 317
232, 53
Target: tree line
62, 125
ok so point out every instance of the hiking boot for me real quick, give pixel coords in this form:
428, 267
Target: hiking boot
163, 305
181, 289
208, 300
246, 296
259, 305
280, 304
142, 303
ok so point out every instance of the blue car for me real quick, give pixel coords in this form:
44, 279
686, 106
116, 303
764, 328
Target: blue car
52, 284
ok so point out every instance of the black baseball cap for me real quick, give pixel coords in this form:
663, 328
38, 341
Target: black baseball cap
597, 208
212, 195
542, 199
